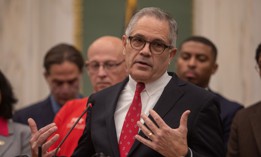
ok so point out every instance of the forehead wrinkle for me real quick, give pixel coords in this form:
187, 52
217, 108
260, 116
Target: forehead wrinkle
152, 31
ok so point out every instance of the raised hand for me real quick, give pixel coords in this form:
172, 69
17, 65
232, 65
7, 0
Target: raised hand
167, 141
39, 138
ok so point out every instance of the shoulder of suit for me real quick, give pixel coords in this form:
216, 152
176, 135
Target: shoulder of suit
251, 109
35, 106
256, 106
225, 101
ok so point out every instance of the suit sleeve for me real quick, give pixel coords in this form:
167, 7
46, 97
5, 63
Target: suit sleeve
233, 150
206, 136
20, 118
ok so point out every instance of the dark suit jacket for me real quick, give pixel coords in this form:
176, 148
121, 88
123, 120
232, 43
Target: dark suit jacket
41, 112
204, 124
228, 110
245, 137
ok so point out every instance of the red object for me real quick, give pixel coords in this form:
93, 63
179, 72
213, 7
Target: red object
3, 127
64, 120
130, 128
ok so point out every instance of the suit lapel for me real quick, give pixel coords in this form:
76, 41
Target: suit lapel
169, 102
112, 103
173, 89
255, 123
6, 141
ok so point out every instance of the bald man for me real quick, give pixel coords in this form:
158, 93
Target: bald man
105, 67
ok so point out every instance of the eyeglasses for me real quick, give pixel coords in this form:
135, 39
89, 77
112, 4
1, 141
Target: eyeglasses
107, 66
156, 47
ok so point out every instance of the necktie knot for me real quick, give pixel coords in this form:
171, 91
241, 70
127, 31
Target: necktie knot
140, 87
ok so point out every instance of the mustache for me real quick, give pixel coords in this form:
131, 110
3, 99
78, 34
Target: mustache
143, 61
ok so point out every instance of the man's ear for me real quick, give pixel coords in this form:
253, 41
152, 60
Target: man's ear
173, 52
215, 68
124, 42
46, 74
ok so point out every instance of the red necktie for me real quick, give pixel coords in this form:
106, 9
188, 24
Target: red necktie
130, 128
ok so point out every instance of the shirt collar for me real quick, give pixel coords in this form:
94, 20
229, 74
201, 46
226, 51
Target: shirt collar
55, 106
152, 87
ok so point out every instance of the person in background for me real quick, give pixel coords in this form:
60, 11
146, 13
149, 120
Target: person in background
196, 63
154, 123
14, 137
63, 66
245, 137
105, 67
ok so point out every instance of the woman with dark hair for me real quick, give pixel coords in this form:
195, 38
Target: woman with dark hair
14, 137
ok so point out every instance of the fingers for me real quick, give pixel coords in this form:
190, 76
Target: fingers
47, 130
184, 120
150, 124
51, 153
145, 130
160, 122
50, 142
40, 137
150, 129
157, 119
32, 125
144, 141
45, 133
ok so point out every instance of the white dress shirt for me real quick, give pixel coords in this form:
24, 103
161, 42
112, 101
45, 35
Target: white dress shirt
149, 96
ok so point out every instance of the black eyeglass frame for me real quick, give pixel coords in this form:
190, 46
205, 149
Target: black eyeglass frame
145, 42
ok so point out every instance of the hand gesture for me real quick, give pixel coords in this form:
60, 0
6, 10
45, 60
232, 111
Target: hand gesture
163, 139
39, 139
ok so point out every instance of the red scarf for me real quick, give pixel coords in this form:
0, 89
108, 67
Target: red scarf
3, 127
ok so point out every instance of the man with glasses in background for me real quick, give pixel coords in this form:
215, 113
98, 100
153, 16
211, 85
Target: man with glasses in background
105, 64
245, 137
105, 67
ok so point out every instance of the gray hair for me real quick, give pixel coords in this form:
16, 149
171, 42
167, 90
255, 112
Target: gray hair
158, 14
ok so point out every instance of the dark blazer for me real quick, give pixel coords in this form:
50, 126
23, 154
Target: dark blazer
204, 124
41, 112
228, 110
245, 137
